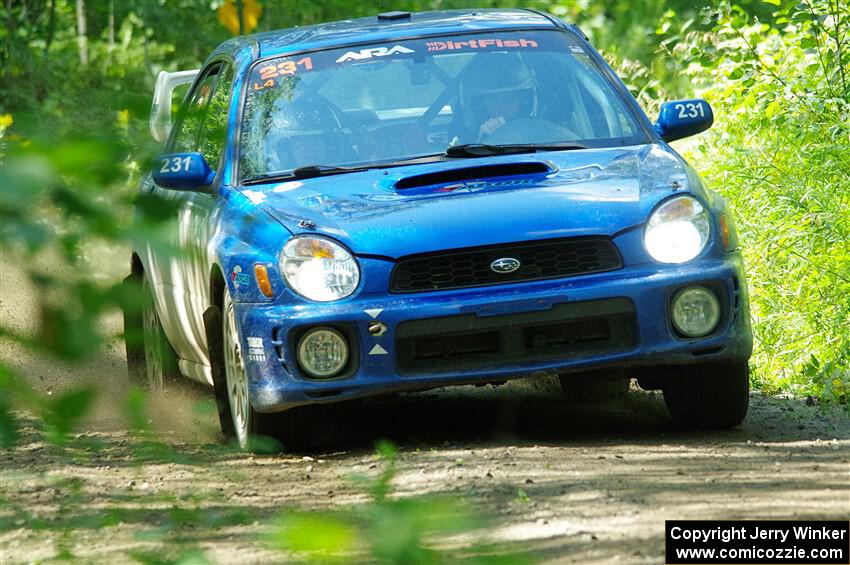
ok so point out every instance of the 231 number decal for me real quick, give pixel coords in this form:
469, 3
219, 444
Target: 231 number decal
269, 73
175, 164
690, 110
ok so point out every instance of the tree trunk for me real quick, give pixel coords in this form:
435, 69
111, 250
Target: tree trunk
239, 8
111, 24
10, 22
82, 40
51, 26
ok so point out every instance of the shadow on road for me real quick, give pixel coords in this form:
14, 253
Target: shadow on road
538, 413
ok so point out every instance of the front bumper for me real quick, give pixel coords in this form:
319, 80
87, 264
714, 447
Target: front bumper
613, 319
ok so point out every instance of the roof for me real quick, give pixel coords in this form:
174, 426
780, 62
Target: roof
365, 30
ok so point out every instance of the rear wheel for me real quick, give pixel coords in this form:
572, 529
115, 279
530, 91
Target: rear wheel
151, 361
708, 396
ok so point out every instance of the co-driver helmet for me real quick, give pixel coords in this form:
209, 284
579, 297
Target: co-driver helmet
494, 74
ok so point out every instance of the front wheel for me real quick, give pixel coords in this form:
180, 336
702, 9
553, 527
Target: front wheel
708, 396
246, 422
254, 431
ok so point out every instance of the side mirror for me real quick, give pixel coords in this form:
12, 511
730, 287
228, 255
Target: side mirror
183, 171
683, 118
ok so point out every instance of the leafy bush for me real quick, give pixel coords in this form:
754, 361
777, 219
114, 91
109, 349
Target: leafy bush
780, 153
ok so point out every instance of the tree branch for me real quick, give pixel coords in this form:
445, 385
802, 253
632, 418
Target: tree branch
817, 27
837, 19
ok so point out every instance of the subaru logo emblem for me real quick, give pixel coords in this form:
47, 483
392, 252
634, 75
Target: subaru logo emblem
505, 265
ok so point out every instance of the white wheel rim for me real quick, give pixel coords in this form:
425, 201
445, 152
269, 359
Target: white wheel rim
237, 379
153, 340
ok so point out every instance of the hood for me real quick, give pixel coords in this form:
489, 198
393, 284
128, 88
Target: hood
388, 213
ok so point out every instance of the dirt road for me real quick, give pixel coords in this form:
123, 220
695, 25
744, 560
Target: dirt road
570, 484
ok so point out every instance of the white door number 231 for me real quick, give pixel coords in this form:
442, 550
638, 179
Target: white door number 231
690, 110
175, 164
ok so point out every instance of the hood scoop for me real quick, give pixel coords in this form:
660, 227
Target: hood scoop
479, 174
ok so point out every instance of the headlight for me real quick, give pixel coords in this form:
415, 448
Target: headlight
319, 269
677, 231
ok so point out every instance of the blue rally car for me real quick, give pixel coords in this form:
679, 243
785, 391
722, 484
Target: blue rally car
418, 200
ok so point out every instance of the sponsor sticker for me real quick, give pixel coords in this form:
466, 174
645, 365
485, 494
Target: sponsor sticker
256, 350
371, 52
476, 44
238, 278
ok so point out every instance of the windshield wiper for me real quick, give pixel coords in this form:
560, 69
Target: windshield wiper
486, 150
311, 171
307, 172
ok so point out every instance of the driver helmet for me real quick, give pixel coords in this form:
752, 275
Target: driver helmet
490, 77
302, 132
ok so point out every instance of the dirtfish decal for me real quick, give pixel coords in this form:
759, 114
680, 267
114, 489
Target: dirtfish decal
481, 44
373, 52
239, 278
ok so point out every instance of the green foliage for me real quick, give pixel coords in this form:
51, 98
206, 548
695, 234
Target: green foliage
779, 154
521, 496
65, 411
58, 415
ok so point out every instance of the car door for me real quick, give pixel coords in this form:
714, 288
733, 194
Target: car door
183, 276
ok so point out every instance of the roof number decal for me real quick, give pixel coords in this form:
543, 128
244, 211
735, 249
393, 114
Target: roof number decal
269, 73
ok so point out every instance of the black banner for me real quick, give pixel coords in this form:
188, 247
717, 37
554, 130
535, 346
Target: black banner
744, 542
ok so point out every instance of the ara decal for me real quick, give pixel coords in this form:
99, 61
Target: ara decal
373, 52
238, 278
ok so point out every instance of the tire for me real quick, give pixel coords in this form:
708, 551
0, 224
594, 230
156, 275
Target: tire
151, 361
246, 422
708, 396
594, 386
254, 432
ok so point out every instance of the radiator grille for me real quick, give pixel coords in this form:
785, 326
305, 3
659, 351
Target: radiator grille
466, 268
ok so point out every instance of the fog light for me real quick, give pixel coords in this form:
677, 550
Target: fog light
696, 311
322, 352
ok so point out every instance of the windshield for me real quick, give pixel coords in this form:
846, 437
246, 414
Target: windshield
369, 105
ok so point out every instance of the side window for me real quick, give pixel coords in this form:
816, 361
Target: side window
186, 136
214, 127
